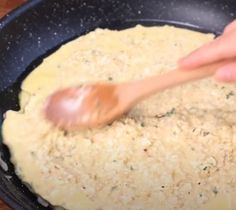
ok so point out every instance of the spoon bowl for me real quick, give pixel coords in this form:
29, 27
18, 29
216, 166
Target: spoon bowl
84, 106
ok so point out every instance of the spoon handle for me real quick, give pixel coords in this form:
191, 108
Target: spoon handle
141, 89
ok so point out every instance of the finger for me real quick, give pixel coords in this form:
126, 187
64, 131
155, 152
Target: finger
226, 73
230, 27
205, 54
221, 48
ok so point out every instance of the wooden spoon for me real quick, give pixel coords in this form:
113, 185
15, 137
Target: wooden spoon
94, 105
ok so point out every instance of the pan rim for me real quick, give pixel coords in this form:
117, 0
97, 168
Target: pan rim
5, 196
10, 16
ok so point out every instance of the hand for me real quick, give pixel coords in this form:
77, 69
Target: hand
221, 48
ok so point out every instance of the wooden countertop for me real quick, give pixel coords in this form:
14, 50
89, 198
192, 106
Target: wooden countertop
8, 5
5, 7
3, 206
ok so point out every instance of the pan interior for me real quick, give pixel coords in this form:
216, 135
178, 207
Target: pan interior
9, 100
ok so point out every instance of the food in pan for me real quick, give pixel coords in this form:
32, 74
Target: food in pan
174, 151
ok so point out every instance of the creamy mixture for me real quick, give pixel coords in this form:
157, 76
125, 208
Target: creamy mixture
174, 151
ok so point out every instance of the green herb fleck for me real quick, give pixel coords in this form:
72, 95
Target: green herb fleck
167, 114
171, 112
142, 124
231, 93
215, 191
160, 116
206, 133
131, 168
110, 78
32, 153
205, 168
113, 188
65, 133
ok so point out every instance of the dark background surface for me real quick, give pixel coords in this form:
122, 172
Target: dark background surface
35, 30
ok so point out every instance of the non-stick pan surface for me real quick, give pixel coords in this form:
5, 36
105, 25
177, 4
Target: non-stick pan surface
40, 26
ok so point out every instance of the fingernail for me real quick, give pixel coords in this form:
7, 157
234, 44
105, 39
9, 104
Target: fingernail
224, 74
183, 62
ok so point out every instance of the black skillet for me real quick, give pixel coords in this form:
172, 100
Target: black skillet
39, 27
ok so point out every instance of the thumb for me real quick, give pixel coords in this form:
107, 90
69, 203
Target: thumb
230, 27
226, 73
